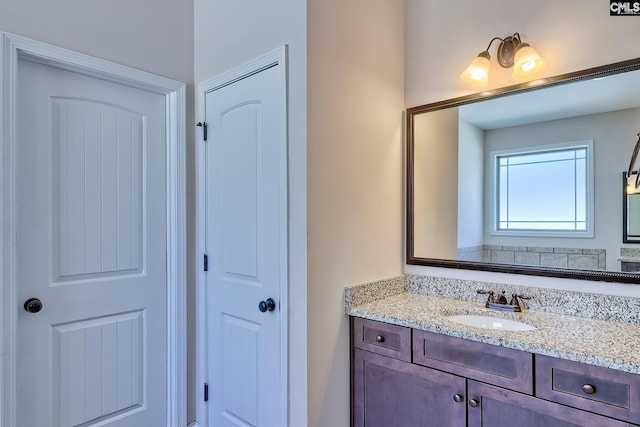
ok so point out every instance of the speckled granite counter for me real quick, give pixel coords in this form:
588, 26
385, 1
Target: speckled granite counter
606, 343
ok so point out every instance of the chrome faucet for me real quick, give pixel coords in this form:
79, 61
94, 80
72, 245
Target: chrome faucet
499, 302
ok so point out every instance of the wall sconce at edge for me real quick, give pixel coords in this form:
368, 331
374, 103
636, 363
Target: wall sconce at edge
512, 52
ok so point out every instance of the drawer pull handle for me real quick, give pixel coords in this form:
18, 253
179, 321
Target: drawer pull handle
588, 389
473, 403
458, 397
380, 338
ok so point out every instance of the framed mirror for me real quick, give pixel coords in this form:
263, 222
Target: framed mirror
526, 179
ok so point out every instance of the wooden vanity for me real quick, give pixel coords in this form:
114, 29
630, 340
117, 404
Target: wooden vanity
406, 377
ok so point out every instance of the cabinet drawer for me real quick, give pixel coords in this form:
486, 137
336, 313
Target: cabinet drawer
500, 366
490, 406
592, 388
382, 338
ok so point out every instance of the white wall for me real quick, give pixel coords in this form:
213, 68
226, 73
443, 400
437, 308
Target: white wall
470, 185
355, 103
570, 35
229, 33
151, 35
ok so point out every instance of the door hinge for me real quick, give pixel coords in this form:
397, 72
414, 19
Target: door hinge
206, 262
206, 392
203, 125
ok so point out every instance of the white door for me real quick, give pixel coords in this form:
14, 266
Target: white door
246, 243
92, 247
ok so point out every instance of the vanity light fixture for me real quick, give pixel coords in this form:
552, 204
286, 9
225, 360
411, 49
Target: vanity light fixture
512, 52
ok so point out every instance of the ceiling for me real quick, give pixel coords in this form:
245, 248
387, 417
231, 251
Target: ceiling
615, 92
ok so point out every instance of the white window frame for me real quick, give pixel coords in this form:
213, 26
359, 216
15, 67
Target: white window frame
493, 159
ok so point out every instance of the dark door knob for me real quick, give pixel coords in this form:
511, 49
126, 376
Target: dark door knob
33, 305
458, 397
268, 305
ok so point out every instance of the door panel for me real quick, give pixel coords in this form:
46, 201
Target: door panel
91, 244
96, 188
241, 357
246, 244
98, 367
240, 191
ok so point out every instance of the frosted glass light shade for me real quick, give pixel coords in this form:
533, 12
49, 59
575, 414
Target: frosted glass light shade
527, 62
632, 182
477, 73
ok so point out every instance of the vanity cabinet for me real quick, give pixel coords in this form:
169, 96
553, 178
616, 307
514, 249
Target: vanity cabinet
410, 378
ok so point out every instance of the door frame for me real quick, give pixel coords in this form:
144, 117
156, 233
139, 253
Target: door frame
277, 57
12, 48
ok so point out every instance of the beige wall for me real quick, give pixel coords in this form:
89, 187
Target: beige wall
229, 33
355, 102
444, 36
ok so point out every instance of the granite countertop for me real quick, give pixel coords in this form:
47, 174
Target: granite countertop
606, 343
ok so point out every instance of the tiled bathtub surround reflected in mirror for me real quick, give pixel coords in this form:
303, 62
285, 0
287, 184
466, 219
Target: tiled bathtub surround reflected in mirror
575, 258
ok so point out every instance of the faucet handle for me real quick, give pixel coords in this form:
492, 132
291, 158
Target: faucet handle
489, 298
514, 299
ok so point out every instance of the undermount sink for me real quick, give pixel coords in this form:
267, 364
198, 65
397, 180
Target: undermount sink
490, 322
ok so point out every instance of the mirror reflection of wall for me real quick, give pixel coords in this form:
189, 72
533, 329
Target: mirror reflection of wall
436, 184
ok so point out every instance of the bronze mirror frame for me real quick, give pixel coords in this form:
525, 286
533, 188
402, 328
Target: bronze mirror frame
591, 73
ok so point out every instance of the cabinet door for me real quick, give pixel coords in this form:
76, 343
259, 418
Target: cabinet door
389, 392
491, 406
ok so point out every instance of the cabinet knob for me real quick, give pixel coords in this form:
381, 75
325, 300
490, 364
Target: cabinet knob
588, 389
458, 397
473, 403
380, 338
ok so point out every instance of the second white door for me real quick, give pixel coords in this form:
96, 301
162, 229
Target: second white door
247, 249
